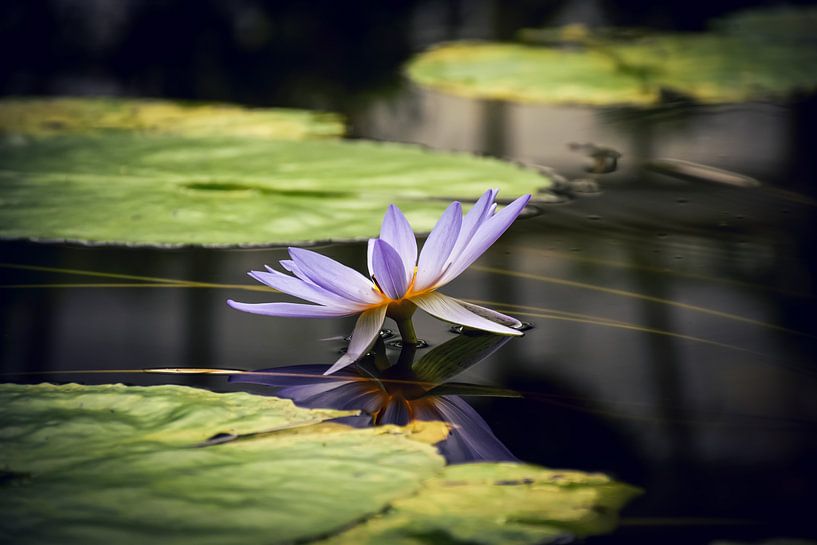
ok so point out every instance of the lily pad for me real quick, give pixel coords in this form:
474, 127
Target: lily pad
522, 73
716, 68
138, 189
117, 464
492, 503
71, 420
752, 56
52, 116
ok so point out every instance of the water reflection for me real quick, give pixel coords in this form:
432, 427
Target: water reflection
403, 388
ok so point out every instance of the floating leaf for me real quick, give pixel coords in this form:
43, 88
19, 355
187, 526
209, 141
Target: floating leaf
755, 55
716, 68
72, 420
497, 503
522, 73
169, 190
115, 464
31, 116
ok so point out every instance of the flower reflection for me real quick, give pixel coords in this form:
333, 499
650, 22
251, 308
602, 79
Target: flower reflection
400, 280
407, 390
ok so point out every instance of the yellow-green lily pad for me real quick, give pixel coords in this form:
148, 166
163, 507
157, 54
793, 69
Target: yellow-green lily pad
752, 56
52, 116
130, 465
523, 73
148, 189
493, 503
718, 68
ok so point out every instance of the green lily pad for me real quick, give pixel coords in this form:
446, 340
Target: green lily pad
139, 189
716, 68
117, 464
62, 422
102, 464
522, 73
754, 55
44, 117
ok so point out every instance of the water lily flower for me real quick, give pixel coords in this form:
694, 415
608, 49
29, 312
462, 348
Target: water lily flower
400, 280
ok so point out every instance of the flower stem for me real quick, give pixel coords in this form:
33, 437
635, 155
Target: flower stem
409, 343
407, 334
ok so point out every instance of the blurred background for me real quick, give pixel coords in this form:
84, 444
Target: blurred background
322, 54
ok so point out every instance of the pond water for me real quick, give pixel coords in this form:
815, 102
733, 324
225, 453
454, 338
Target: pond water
673, 319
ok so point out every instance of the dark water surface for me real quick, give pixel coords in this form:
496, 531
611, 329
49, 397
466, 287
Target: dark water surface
675, 326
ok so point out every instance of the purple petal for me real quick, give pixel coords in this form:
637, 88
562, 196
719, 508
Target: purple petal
396, 412
388, 270
479, 213
369, 252
301, 394
396, 231
471, 439
331, 275
291, 310
451, 310
486, 235
360, 421
438, 246
366, 331
292, 267
298, 288
492, 315
363, 396
306, 385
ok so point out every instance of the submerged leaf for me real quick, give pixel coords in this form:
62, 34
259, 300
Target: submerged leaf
456, 355
462, 389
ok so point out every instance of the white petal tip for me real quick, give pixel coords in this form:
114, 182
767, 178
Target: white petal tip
344, 361
501, 330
